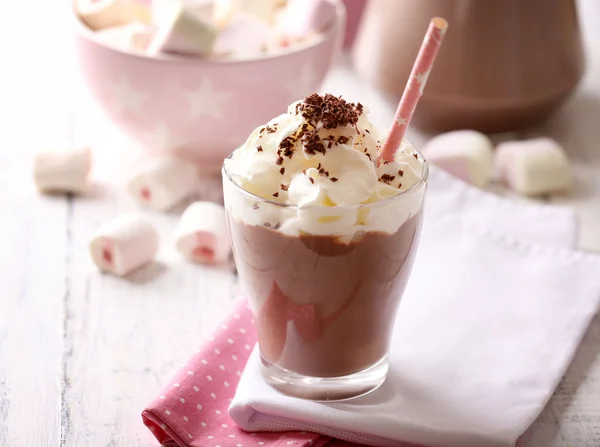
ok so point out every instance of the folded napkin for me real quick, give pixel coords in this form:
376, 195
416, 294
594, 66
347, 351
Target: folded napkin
192, 409
489, 323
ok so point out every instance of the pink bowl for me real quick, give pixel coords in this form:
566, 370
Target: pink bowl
201, 109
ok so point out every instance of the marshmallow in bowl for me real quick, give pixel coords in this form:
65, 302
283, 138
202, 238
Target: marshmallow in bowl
244, 35
321, 157
466, 154
183, 30
132, 36
163, 182
65, 170
201, 235
100, 14
300, 18
533, 167
124, 244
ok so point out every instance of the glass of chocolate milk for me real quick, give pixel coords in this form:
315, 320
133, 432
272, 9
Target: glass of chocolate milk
324, 237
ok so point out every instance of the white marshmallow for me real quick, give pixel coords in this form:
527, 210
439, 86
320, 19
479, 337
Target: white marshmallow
201, 234
183, 30
302, 18
243, 36
124, 244
265, 10
62, 170
133, 36
99, 14
163, 182
466, 154
533, 167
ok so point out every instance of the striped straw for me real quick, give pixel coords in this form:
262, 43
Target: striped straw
414, 87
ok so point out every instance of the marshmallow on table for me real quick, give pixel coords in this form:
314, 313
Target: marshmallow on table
124, 244
63, 170
133, 36
466, 154
99, 14
533, 167
163, 182
302, 18
183, 30
201, 234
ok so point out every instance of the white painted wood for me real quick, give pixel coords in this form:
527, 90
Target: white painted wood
81, 353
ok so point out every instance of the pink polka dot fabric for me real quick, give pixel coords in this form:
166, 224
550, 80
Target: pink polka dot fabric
191, 411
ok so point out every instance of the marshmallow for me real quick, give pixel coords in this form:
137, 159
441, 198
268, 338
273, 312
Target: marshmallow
466, 154
533, 167
244, 36
225, 11
302, 18
62, 171
201, 234
163, 182
183, 30
124, 244
99, 14
133, 36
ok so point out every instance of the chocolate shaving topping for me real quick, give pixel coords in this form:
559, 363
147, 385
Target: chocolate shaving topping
400, 172
262, 129
400, 186
386, 178
329, 110
312, 180
255, 206
284, 187
276, 226
271, 129
259, 149
276, 194
367, 130
319, 166
343, 140
279, 160
333, 179
282, 171
312, 143
267, 224
416, 156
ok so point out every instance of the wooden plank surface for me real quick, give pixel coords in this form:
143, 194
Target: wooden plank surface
81, 353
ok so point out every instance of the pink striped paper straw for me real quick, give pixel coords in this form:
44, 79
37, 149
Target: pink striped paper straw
414, 87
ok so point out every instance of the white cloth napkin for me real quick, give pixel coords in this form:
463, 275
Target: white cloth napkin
491, 318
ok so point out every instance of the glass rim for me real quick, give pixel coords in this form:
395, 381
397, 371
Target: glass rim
422, 182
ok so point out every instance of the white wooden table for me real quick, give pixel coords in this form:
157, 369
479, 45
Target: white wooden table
82, 353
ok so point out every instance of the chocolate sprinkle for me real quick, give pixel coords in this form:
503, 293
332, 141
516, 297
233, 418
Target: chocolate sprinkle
279, 160
312, 180
400, 172
259, 149
416, 156
343, 140
282, 171
333, 179
329, 110
284, 187
312, 143
276, 194
386, 178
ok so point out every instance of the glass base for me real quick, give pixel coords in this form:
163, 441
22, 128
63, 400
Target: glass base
325, 388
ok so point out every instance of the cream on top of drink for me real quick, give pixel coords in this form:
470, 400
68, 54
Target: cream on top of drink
322, 152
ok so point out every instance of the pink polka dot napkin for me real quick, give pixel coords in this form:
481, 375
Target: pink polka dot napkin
192, 409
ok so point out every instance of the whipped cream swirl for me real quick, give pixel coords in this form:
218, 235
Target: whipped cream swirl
321, 156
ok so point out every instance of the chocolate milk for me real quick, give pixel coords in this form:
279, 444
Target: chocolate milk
504, 65
324, 308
